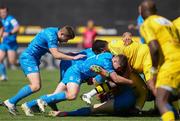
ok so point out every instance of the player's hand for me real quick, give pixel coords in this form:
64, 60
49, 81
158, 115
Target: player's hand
131, 26
5, 34
99, 70
57, 113
53, 113
96, 69
78, 56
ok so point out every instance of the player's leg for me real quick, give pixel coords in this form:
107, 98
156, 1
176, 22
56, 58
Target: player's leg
106, 107
12, 58
163, 105
99, 89
31, 70
2, 66
57, 90
35, 85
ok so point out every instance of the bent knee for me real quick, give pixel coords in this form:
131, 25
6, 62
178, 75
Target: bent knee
35, 88
71, 96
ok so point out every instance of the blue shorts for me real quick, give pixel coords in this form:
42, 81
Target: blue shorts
13, 46
125, 100
73, 75
64, 65
28, 64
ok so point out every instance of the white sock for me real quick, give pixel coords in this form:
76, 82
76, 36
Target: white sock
92, 93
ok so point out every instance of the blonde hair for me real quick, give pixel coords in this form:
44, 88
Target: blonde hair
68, 31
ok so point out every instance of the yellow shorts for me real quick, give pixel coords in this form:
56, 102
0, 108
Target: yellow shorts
143, 62
169, 75
140, 89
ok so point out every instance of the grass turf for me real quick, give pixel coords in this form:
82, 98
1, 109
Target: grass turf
50, 79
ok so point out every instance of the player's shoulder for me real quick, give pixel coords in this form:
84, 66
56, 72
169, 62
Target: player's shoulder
106, 55
50, 30
177, 20
87, 51
10, 17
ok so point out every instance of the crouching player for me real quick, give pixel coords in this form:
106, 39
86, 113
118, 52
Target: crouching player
68, 88
119, 101
138, 59
99, 46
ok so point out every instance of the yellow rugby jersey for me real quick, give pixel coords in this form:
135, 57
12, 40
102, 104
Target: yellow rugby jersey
161, 29
176, 23
135, 52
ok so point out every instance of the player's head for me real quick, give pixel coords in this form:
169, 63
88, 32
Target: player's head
99, 46
148, 7
120, 63
66, 33
3, 11
90, 24
127, 38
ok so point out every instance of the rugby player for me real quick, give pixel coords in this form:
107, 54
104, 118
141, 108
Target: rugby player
8, 44
163, 41
47, 40
139, 60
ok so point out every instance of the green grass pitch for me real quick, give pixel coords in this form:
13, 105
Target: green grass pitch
50, 79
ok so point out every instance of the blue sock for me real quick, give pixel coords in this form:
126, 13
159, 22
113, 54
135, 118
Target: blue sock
54, 98
32, 103
80, 112
23, 92
2, 69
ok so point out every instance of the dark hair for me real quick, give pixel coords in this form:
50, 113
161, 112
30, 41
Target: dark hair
3, 7
99, 46
123, 62
69, 31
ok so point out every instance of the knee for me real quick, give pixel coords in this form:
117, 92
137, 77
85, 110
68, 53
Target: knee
35, 87
71, 96
12, 62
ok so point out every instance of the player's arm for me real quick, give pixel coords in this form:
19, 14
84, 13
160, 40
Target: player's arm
15, 26
58, 55
119, 79
112, 76
149, 35
154, 51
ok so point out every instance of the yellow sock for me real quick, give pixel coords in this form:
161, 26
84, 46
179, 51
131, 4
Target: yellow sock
168, 116
99, 89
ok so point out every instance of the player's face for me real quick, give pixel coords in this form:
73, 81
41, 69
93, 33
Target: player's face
3, 13
115, 61
127, 38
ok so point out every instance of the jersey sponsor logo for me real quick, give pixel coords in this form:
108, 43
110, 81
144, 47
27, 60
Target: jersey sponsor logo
163, 21
14, 22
